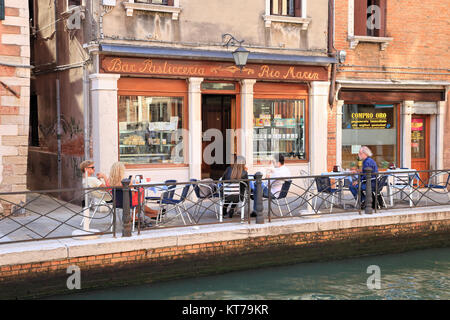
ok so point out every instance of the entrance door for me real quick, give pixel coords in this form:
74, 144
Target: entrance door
216, 114
420, 154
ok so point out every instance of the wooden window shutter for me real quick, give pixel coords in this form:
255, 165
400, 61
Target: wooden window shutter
2, 9
360, 17
383, 11
298, 8
170, 2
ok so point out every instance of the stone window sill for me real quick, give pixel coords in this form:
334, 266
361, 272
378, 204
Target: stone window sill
304, 22
383, 41
131, 6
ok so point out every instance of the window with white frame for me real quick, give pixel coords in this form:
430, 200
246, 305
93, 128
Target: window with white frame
367, 22
291, 8
286, 11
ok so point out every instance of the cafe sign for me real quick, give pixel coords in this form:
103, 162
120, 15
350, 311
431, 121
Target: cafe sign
166, 67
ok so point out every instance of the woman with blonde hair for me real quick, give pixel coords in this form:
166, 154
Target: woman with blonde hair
117, 174
236, 171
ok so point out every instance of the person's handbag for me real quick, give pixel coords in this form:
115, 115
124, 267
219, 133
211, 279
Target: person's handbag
135, 194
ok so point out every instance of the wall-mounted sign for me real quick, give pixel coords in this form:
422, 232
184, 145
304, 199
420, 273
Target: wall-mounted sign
416, 124
369, 120
191, 68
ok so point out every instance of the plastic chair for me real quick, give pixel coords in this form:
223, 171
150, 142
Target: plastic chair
403, 182
97, 203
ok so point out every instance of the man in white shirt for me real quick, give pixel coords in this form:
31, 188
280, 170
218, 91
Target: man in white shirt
279, 170
101, 180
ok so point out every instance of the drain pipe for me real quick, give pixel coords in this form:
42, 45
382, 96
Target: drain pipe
331, 52
86, 102
58, 133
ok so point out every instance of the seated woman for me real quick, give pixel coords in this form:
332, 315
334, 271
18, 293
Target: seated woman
116, 175
236, 171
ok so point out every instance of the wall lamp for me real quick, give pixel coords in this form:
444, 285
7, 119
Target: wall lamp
240, 55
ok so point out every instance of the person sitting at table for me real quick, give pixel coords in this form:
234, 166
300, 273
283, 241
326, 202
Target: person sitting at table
116, 175
365, 155
99, 180
236, 171
279, 170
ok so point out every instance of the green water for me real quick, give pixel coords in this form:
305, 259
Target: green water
421, 275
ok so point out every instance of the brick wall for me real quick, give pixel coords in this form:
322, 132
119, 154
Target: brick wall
418, 51
14, 99
164, 263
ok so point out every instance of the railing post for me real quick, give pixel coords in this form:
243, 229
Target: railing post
368, 208
258, 198
126, 219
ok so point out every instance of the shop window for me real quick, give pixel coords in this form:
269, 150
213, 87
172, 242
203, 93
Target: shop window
286, 8
2, 9
279, 127
150, 129
370, 18
372, 125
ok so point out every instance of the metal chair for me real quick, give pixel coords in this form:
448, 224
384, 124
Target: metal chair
209, 194
324, 187
281, 195
436, 187
230, 194
169, 202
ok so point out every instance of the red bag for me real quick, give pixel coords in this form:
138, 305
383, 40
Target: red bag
135, 197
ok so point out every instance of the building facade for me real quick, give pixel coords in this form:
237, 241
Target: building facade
14, 98
392, 90
153, 84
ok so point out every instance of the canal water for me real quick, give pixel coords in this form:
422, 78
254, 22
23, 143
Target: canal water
420, 275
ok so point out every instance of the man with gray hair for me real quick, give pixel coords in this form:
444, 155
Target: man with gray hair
365, 155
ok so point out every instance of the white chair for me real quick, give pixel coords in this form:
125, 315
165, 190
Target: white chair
402, 184
229, 193
97, 202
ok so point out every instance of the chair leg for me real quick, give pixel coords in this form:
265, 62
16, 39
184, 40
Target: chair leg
220, 211
287, 205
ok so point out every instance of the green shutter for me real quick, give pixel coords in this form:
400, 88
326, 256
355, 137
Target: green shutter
2, 9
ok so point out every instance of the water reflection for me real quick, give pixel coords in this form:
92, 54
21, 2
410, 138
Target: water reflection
413, 275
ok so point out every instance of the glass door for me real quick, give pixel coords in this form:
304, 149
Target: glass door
420, 157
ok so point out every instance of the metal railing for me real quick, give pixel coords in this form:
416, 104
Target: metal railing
121, 211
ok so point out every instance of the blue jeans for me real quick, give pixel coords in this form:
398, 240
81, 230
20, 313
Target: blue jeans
265, 193
354, 191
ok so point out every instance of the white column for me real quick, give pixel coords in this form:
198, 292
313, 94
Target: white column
245, 138
339, 105
318, 110
105, 136
405, 157
195, 128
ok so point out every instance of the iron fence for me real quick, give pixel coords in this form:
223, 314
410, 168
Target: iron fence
127, 210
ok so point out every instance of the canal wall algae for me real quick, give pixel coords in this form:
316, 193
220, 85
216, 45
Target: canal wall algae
38, 269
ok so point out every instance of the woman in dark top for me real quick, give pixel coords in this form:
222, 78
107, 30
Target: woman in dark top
236, 171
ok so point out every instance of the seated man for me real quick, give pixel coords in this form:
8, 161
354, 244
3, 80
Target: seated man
100, 180
365, 155
279, 170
